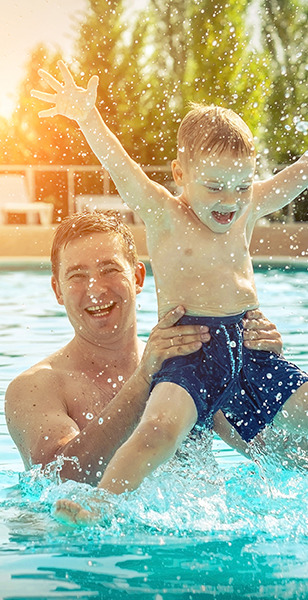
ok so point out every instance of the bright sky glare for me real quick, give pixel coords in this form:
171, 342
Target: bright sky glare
26, 23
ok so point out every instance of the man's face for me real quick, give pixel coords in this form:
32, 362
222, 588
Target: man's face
98, 286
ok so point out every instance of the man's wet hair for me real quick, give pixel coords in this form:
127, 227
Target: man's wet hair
80, 225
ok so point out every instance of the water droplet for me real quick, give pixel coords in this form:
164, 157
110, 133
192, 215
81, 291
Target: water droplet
302, 126
89, 416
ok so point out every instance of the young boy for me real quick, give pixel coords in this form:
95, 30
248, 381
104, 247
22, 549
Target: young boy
198, 244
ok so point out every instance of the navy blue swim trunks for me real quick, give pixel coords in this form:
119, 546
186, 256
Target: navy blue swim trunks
249, 386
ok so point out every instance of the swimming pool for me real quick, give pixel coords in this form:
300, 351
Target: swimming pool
221, 527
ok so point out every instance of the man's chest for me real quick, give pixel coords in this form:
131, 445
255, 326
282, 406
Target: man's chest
86, 395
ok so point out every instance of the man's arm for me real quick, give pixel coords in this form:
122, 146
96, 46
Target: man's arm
278, 191
260, 333
74, 102
42, 429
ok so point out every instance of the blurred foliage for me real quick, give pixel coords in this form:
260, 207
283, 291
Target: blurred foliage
284, 37
250, 55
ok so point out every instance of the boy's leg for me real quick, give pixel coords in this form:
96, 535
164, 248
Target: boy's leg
293, 416
286, 440
169, 415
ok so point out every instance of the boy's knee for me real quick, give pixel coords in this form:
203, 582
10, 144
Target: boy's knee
293, 414
156, 432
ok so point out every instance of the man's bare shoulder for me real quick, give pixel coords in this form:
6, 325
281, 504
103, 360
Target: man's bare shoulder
45, 375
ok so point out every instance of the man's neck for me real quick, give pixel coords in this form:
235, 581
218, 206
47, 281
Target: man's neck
123, 355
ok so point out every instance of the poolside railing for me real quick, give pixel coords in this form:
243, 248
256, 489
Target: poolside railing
106, 185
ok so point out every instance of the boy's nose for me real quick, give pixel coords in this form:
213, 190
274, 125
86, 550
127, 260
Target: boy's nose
228, 199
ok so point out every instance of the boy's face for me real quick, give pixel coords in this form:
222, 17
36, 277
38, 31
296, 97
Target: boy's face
218, 188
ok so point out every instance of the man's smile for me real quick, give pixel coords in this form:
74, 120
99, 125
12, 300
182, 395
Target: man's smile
100, 309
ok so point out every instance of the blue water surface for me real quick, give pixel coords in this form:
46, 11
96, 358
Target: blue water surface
208, 524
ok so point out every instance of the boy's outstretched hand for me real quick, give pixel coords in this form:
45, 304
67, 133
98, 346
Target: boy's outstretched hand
69, 99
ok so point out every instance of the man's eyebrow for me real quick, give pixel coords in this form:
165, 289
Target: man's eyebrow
100, 263
79, 267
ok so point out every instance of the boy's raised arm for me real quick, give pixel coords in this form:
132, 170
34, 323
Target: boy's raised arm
278, 191
78, 103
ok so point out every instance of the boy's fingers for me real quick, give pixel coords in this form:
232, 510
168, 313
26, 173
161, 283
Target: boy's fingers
93, 83
65, 72
52, 81
43, 96
49, 112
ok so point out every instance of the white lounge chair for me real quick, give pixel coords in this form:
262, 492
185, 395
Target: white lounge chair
93, 202
14, 198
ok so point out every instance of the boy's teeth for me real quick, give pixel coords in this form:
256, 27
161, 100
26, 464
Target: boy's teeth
223, 217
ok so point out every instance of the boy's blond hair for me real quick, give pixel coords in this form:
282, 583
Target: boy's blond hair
211, 128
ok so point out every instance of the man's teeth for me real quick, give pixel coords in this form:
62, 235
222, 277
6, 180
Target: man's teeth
100, 307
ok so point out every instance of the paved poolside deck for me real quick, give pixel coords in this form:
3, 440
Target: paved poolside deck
282, 243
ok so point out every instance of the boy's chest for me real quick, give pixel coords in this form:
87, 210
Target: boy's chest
188, 246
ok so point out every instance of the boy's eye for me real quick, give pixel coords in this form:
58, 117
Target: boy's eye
213, 187
243, 188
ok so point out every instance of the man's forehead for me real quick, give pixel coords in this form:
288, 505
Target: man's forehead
93, 248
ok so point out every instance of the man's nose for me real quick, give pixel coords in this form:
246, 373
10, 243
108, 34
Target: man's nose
96, 285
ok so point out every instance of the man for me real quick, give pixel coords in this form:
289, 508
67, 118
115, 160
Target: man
83, 401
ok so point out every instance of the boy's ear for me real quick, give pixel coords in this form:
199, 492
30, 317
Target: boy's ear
56, 288
140, 273
177, 172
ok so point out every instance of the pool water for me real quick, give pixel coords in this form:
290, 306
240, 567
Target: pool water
208, 524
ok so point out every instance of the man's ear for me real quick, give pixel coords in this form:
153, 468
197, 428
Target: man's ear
140, 273
56, 288
177, 172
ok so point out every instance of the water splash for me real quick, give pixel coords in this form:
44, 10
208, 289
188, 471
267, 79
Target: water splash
188, 497
195, 527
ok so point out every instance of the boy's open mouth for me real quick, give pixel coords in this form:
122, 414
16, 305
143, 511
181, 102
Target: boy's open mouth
223, 218
100, 310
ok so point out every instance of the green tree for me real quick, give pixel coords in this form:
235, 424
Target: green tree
172, 52
285, 37
112, 49
198, 52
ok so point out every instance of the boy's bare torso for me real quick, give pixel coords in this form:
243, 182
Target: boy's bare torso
210, 274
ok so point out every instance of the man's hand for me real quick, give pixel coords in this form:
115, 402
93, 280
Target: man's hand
260, 333
69, 100
166, 341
